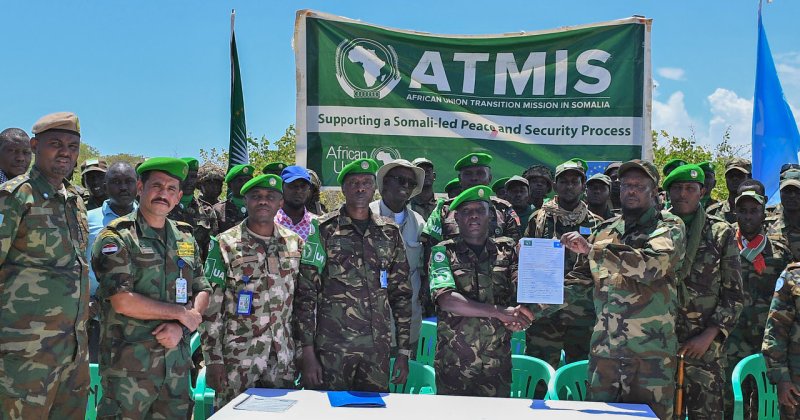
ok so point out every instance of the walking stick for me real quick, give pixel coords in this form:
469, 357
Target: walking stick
679, 389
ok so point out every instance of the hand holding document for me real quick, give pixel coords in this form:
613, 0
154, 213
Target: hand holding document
541, 271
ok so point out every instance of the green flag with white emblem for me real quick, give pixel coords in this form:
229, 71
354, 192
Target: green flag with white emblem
215, 266
313, 252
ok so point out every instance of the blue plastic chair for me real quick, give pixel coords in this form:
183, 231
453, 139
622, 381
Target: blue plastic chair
754, 366
95, 392
202, 395
421, 379
570, 382
526, 373
426, 347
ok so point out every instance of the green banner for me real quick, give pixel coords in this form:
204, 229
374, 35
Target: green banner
525, 98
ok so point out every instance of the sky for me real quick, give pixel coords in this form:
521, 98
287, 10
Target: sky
153, 77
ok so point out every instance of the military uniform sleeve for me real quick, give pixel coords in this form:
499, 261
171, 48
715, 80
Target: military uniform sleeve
199, 280
731, 297
781, 318
513, 228
661, 256
441, 274
111, 264
530, 226
223, 303
11, 211
400, 293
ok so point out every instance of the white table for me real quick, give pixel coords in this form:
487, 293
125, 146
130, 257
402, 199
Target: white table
313, 405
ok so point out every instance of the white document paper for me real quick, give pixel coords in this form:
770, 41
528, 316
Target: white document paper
541, 271
265, 404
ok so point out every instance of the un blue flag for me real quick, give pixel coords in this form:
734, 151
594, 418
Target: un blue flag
775, 137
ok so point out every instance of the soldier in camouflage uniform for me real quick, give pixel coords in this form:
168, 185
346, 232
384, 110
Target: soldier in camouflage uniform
781, 347
737, 170
473, 282
93, 178
540, 183
192, 211
249, 342
209, 182
598, 193
152, 293
473, 169
709, 183
44, 281
518, 192
232, 211
15, 153
570, 328
710, 294
424, 202
784, 224
632, 262
762, 261
612, 171
353, 271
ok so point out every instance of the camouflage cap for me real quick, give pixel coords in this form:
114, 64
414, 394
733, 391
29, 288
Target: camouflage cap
598, 177
359, 166
268, 181
739, 164
571, 166
193, 163
473, 159
274, 168
671, 165
760, 199
422, 161
173, 167
539, 171
500, 184
58, 121
581, 162
611, 166
476, 193
685, 173
518, 179
93, 165
210, 172
315, 181
790, 178
236, 170
649, 169
454, 183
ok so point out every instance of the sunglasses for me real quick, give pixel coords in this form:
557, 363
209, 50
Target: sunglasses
403, 181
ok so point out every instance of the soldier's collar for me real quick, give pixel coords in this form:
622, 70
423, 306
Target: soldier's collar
150, 233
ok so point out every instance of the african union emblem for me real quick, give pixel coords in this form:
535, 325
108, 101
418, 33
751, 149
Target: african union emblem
366, 68
384, 154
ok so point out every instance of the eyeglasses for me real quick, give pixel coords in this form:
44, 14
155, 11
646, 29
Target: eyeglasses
639, 188
403, 181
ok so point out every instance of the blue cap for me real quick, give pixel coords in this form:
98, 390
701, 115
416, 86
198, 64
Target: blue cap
293, 173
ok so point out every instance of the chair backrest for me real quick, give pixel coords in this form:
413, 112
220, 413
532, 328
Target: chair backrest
754, 366
421, 379
95, 391
526, 373
426, 347
570, 382
518, 344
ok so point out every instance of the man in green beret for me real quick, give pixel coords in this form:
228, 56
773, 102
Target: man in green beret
274, 168
571, 328
737, 170
671, 165
785, 222
519, 196
424, 202
452, 189
598, 193
191, 210
93, 176
581, 162
710, 293
710, 182
152, 295
540, 183
261, 261
44, 281
353, 279
473, 282
499, 188
232, 211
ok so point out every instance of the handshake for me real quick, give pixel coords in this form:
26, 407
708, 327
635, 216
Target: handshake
515, 318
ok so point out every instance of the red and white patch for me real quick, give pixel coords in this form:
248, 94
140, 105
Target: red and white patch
109, 249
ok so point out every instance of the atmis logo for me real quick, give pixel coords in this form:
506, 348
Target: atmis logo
366, 68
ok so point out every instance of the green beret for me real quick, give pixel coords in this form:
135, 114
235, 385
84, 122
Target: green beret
671, 165
236, 170
500, 183
454, 183
360, 166
269, 181
274, 167
476, 193
173, 167
573, 166
706, 166
193, 163
581, 162
760, 199
473, 159
684, 173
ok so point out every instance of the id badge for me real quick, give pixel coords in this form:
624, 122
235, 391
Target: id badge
181, 290
245, 303
384, 279
585, 230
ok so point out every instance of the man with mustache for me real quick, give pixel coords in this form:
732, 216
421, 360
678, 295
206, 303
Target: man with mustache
120, 184
192, 211
15, 153
232, 211
398, 182
261, 260
93, 176
152, 296
352, 274
710, 293
473, 283
631, 263
44, 282
736, 171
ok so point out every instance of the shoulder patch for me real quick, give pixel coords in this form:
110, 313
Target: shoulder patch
658, 232
120, 223
184, 226
499, 202
12, 184
109, 248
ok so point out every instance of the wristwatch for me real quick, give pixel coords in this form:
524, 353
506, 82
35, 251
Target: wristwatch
406, 353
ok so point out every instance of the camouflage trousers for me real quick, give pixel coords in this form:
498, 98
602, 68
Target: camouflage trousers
145, 397
633, 380
354, 371
254, 372
569, 329
703, 388
33, 390
487, 375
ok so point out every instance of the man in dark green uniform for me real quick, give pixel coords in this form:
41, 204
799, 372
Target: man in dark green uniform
598, 193
232, 211
192, 211
519, 196
736, 171
785, 222
424, 202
